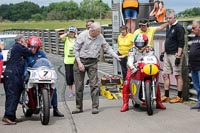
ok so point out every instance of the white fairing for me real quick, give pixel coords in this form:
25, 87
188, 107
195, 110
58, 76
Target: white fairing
42, 73
151, 59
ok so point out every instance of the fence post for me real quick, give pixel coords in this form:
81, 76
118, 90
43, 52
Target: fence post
57, 42
49, 41
185, 91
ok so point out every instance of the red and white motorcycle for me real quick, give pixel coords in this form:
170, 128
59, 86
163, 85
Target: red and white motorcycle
145, 81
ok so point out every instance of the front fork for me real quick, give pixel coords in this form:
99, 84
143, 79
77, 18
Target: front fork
44, 86
153, 88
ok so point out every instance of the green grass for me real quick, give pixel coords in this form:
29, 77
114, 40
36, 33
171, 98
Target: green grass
189, 18
47, 24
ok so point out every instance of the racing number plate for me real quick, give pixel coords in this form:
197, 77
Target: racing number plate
150, 60
45, 75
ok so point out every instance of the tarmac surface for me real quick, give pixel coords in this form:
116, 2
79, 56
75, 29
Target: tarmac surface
177, 118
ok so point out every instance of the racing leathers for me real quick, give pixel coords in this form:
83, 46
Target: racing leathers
134, 56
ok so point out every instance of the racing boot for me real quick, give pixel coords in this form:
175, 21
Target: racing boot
125, 103
159, 104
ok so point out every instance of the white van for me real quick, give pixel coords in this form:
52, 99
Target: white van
8, 40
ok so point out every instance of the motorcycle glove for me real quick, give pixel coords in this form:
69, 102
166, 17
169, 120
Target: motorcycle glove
133, 70
162, 56
177, 61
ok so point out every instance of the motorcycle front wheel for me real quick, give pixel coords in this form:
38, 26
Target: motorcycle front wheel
148, 97
45, 107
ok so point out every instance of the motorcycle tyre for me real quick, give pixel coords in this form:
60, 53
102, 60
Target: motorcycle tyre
45, 107
136, 105
27, 112
149, 100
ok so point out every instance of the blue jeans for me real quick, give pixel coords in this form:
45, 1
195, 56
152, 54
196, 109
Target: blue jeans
130, 13
196, 83
54, 100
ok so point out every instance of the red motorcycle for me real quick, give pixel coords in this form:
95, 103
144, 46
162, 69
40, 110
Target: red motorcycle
144, 82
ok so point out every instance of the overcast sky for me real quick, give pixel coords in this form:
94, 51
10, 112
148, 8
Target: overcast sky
177, 5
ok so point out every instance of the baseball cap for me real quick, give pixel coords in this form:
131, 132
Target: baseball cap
72, 29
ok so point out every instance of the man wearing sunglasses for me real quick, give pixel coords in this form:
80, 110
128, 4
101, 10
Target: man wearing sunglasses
194, 60
149, 31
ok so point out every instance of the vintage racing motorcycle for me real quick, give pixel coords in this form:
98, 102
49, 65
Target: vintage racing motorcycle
144, 82
39, 84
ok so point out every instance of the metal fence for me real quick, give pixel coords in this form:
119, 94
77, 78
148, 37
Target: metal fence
52, 42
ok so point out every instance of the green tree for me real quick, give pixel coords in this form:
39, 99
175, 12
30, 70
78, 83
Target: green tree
93, 9
5, 11
23, 10
69, 10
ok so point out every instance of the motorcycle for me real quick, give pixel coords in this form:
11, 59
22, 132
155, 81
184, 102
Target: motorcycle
39, 84
144, 82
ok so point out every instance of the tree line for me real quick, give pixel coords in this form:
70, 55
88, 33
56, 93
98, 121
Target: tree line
55, 11
190, 12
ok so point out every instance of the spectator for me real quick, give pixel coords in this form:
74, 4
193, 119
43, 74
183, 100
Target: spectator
149, 31
174, 45
88, 23
161, 12
69, 39
13, 78
194, 60
35, 43
125, 42
1, 58
130, 11
87, 48
153, 13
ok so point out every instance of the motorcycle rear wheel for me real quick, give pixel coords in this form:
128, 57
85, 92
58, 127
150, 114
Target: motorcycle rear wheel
45, 107
148, 97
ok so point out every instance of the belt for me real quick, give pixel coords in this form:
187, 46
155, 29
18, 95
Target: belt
88, 58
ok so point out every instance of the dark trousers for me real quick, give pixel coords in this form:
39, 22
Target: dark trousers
54, 100
13, 86
123, 64
91, 69
69, 74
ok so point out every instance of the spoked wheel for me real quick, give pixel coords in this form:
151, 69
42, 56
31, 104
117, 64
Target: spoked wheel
148, 97
136, 105
45, 110
27, 112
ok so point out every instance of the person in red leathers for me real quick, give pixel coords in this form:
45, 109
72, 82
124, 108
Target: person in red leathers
136, 53
1, 58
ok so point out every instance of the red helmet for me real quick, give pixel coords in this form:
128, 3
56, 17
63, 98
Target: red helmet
35, 41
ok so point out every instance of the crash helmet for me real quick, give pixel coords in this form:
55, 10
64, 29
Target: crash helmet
141, 41
72, 29
35, 41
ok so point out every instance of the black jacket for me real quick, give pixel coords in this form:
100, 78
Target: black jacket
174, 38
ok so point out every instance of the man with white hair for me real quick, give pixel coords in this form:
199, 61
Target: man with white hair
87, 49
194, 60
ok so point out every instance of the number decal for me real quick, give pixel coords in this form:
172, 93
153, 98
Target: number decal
45, 75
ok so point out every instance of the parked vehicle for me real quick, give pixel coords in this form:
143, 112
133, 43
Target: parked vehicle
39, 84
8, 41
